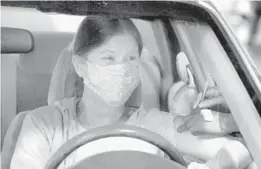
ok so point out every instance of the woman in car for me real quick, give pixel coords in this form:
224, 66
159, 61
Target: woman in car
106, 55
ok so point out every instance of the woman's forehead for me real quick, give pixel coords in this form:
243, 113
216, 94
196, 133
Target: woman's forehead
118, 44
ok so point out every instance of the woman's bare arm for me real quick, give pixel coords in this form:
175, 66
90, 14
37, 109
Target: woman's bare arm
166, 124
204, 147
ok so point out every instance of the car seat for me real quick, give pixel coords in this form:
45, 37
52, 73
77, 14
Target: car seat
182, 94
10, 140
31, 78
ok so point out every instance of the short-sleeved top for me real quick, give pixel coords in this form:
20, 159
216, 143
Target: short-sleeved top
46, 129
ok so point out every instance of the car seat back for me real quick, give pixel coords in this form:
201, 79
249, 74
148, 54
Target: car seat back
8, 91
34, 70
26, 83
182, 94
10, 140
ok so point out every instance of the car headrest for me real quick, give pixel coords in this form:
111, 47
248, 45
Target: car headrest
182, 62
15, 40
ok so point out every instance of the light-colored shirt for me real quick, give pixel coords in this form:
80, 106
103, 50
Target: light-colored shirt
47, 128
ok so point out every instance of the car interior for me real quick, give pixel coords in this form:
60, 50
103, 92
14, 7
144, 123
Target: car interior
26, 81
30, 53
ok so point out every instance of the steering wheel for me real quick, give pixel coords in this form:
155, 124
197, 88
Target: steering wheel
120, 159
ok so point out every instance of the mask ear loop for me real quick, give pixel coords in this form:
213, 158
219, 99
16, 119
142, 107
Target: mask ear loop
79, 80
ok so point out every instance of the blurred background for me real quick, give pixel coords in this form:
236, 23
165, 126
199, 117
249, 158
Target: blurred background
244, 16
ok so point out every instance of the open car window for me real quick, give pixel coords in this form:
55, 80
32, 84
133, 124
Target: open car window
203, 44
189, 42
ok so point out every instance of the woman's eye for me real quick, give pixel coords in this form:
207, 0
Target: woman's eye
131, 58
108, 58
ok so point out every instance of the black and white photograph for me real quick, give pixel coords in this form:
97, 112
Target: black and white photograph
130, 84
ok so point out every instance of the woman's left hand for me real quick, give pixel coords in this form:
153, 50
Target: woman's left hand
206, 121
216, 123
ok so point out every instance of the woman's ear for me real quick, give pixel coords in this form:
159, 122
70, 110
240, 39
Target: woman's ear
78, 65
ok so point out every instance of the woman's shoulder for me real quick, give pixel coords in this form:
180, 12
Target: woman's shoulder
52, 113
48, 123
44, 113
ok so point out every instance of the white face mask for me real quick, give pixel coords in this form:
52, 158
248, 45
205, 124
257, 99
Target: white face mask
113, 83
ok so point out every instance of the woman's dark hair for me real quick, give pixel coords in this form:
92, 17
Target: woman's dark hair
95, 30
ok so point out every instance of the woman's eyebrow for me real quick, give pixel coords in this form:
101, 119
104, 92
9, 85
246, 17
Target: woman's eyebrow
107, 51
